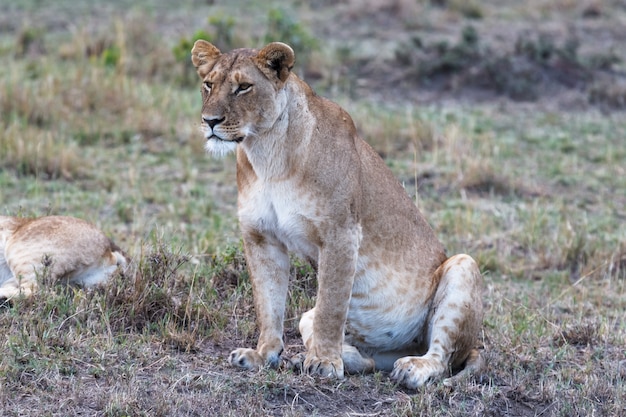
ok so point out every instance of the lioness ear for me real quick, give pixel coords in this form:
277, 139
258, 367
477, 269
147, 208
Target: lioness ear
276, 60
203, 56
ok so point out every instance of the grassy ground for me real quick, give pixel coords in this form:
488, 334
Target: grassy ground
99, 119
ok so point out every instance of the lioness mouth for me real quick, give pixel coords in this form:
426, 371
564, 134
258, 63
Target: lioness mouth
236, 140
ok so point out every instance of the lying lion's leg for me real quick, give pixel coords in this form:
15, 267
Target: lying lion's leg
353, 361
93, 275
452, 328
16, 280
101, 269
268, 263
15, 287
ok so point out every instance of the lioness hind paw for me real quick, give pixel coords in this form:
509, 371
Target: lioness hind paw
296, 362
414, 372
323, 367
474, 364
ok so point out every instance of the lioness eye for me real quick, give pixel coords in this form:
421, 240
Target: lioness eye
243, 87
208, 86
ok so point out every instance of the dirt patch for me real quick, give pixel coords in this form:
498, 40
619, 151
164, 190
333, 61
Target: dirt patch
572, 60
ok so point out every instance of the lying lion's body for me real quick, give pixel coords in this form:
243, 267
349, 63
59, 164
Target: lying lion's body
308, 184
62, 247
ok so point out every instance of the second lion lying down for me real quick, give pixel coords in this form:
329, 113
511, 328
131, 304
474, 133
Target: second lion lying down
67, 249
388, 297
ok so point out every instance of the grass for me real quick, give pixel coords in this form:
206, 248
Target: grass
535, 193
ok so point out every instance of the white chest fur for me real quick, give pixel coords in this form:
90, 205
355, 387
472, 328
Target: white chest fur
274, 209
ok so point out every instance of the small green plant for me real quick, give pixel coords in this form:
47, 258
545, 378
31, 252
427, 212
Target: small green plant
282, 27
29, 39
182, 55
228, 268
223, 27
111, 56
182, 50
221, 35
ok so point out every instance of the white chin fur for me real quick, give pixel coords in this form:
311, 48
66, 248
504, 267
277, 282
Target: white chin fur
219, 148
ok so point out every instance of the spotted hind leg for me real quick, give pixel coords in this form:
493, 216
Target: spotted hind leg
455, 321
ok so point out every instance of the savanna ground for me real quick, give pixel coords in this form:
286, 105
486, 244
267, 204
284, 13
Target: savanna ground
504, 120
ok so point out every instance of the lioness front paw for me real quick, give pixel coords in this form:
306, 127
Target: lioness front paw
245, 358
414, 372
251, 359
327, 368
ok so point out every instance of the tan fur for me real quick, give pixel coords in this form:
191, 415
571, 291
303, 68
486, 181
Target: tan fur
388, 297
62, 248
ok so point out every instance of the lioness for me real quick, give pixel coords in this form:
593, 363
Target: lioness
388, 297
65, 247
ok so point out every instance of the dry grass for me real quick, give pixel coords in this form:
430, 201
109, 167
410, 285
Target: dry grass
99, 122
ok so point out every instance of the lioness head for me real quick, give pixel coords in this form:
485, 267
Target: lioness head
242, 91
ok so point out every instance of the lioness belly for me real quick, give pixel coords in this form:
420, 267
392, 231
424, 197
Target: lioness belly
383, 329
388, 308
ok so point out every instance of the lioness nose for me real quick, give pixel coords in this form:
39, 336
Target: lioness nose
212, 122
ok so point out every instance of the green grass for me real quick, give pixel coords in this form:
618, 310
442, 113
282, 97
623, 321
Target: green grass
536, 194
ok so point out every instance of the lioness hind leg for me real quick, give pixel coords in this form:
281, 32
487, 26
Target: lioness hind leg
353, 361
473, 364
455, 321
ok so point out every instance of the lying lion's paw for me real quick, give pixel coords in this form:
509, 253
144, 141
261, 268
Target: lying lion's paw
245, 358
323, 367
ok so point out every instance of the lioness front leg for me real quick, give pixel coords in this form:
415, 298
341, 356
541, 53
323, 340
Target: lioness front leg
453, 325
336, 268
268, 263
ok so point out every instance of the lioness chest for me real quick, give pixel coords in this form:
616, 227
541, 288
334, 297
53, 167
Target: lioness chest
280, 211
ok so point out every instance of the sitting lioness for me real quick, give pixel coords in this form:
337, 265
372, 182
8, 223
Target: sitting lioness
388, 296
65, 248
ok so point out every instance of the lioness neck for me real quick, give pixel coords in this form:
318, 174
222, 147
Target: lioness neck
275, 154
